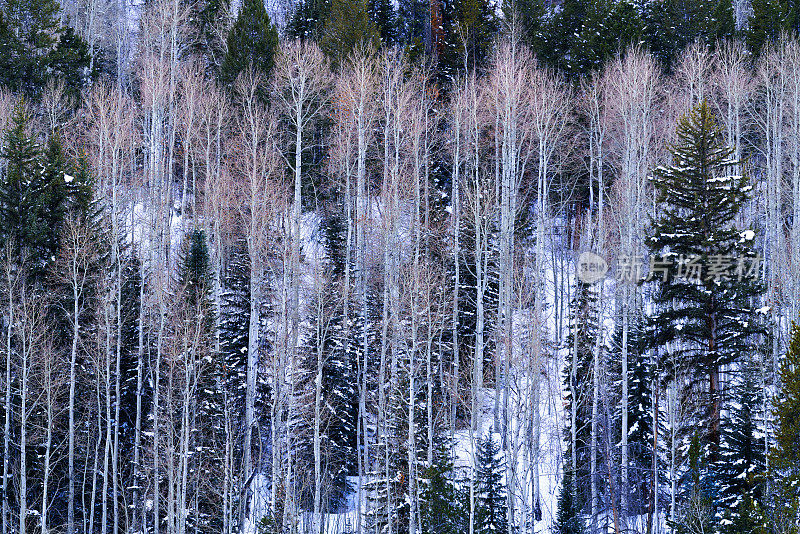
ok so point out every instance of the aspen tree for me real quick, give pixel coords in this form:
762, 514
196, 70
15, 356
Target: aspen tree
259, 197
356, 98
632, 82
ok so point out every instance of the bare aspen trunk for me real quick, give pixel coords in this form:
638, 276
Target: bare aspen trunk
23, 420
8, 414
71, 409
317, 525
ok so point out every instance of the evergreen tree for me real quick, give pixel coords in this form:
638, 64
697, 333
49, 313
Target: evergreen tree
528, 18
33, 195
469, 28
209, 419
338, 406
697, 491
252, 43
444, 508
741, 469
768, 20
559, 33
206, 18
34, 47
56, 181
490, 503
308, 19
610, 26
17, 206
641, 376
348, 26
195, 270
671, 25
580, 342
568, 516
706, 305
384, 16
785, 455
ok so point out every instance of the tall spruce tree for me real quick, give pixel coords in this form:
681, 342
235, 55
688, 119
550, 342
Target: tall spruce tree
35, 190
206, 19
384, 16
706, 306
671, 25
697, 491
610, 26
768, 20
308, 19
444, 508
470, 28
528, 18
641, 376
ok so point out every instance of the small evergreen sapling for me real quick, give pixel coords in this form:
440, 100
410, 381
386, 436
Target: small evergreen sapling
785, 455
491, 505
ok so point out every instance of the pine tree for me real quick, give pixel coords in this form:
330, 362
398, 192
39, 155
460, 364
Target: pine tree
34, 47
195, 270
785, 455
769, 19
671, 25
252, 43
559, 33
610, 26
209, 419
641, 375
469, 28
348, 26
338, 405
444, 508
206, 19
697, 492
568, 516
490, 502
308, 19
22, 203
706, 305
529, 19
580, 342
56, 181
384, 16
741, 469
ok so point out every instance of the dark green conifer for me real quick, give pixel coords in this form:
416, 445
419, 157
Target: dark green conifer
348, 26
252, 43
34, 47
769, 19
568, 515
491, 506
784, 457
740, 473
444, 508
706, 307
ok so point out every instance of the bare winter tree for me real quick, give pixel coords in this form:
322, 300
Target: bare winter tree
260, 194
356, 100
632, 97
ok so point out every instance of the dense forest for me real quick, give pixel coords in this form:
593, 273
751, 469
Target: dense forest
413, 267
